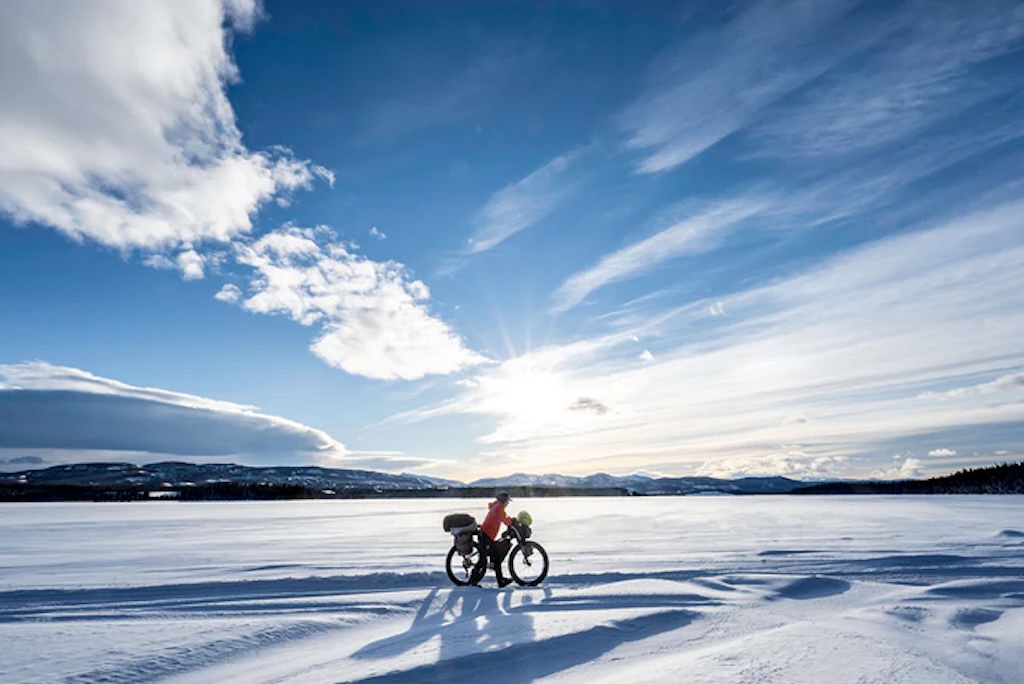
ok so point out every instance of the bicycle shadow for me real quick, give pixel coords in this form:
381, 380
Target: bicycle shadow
492, 634
470, 619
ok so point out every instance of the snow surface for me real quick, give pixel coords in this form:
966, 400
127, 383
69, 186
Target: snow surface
709, 589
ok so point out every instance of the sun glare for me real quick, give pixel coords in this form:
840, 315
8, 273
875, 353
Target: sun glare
529, 396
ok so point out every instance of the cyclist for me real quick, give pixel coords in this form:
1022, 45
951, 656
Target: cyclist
491, 547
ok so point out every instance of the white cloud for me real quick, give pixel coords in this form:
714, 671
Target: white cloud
646, 355
851, 341
695, 234
942, 452
159, 261
523, 203
191, 264
791, 463
57, 409
377, 233
117, 127
229, 293
38, 375
717, 309
390, 462
373, 318
1004, 383
910, 469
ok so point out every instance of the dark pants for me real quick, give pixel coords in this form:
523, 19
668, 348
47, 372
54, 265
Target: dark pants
494, 550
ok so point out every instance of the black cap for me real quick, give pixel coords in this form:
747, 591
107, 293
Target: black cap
503, 497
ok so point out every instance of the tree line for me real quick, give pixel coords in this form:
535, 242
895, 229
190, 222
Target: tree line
1004, 478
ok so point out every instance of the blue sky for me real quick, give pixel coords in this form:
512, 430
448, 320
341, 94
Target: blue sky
468, 239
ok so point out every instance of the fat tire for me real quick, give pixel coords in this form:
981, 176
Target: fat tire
537, 548
474, 577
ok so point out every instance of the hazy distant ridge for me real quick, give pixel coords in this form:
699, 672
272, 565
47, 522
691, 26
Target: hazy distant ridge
646, 484
176, 474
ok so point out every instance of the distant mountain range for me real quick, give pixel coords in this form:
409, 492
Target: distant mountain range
645, 484
177, 475
127, 481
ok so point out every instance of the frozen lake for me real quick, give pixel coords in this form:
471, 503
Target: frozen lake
758, 589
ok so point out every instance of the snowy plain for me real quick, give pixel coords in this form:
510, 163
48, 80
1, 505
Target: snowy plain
674, 589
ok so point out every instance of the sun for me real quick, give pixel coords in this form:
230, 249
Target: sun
529, 396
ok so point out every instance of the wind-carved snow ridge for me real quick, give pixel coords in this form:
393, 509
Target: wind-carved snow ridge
185, 658
756, 589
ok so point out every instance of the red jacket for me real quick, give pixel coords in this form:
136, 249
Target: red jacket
495, 516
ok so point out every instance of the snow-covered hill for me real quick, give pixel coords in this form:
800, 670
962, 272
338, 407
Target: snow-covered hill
180, 474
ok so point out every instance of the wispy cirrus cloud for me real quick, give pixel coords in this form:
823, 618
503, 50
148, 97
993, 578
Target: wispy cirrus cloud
523, 203
823, 79
118, 128
699, 232
1004, 383
906, 81
920, 70
373, 318
720, 81
821, 345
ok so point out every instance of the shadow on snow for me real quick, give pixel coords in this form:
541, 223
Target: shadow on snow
485, 633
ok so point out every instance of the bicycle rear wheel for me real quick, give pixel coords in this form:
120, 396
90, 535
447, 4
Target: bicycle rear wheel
465, 569
528, 564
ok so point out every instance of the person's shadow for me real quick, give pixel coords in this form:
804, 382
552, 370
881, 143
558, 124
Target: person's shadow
471, 620
484, 633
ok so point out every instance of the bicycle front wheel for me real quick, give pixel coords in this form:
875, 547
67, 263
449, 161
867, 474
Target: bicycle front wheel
528, 564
